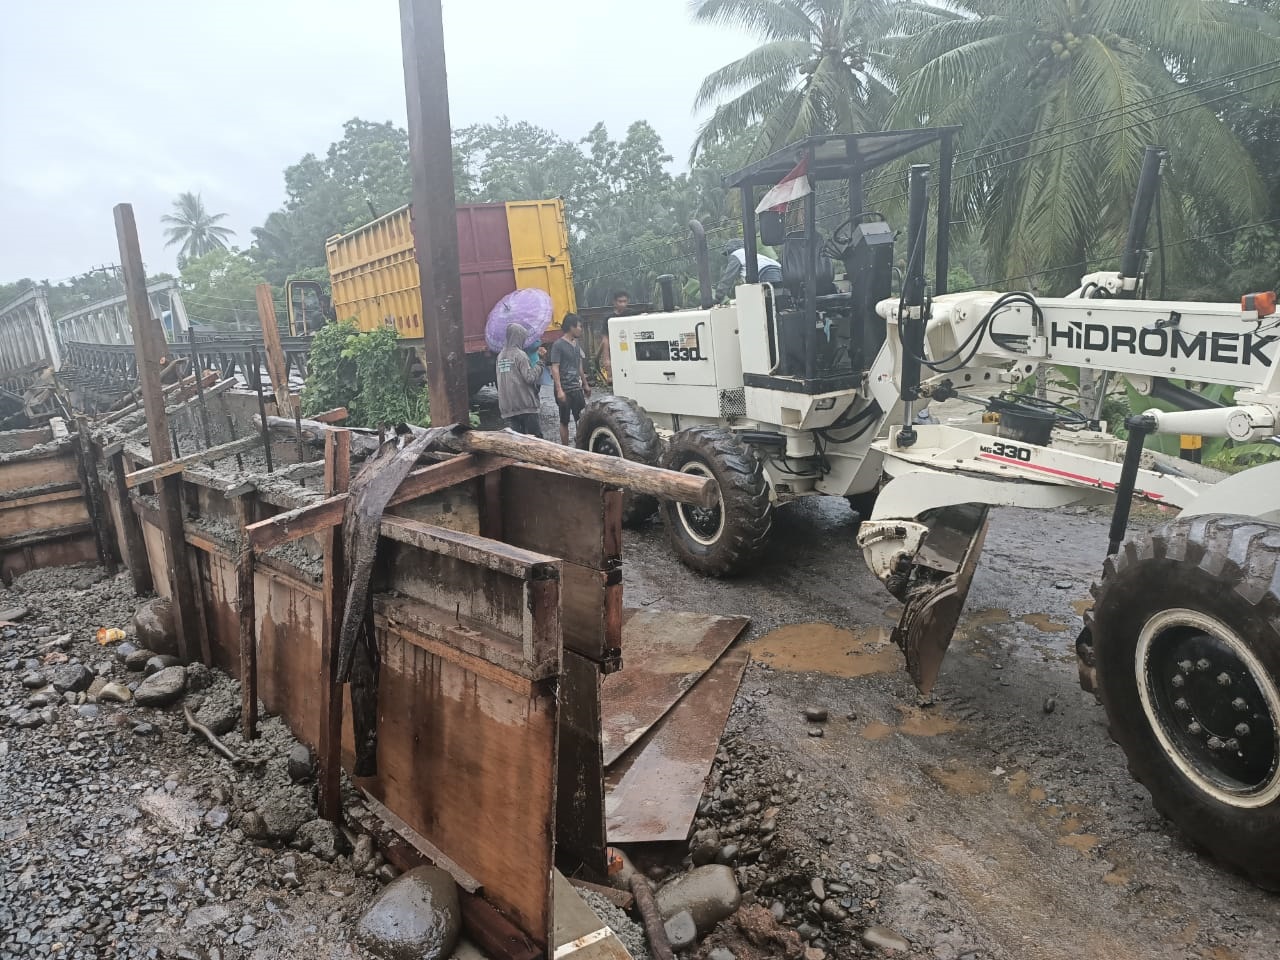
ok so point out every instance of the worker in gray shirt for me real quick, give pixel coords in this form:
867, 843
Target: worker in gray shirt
735, 252
571, 386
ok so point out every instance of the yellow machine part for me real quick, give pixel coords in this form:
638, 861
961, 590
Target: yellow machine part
374, 275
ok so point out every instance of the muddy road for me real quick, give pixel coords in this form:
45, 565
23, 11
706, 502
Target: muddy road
999, 821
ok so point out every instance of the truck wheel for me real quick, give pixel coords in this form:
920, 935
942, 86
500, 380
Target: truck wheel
618, 427
725, 539
863, 503
1186, 636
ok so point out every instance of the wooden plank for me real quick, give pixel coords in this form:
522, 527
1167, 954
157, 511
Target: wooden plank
276, 367
580, 934
490, 554
171, 467
580, 836
337, 479
470, 764
13, 440
45, 535
93, 496
245, 600
60, 492
336, 415
315, 517
21, 474
591, 607
557, 514
666, 651
40, 516
621, 899
654, 790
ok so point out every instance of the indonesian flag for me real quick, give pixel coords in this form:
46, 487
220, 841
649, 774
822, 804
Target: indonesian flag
791, 187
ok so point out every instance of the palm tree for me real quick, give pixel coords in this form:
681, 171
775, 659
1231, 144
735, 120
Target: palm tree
815, 71
194, 227
1057, 99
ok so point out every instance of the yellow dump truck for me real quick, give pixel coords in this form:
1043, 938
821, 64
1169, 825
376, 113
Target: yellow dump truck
501, 247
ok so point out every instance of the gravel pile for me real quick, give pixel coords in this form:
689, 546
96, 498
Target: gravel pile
124, 835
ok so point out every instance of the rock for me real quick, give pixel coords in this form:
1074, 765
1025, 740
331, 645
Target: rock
161, 689
159, 662
1059, 585
682, 933
709, 893
87, 580
103, 667
154, 628
322, 838
722, 953
728, 854
38, 700
814, 953
283, 820
219, 714
13, 614
884, 938
115, 693
137, 659
816, 714
30, 720
89, 711
415, 917
386, 873
815, 731
124, 650
95, 689
1050, 704
362, 853
199, 677
144, 729
818, 889
302, 766
74, 677
779, 910
253, 826
217, 817
832, 911
704, 846
807, 931
33, 680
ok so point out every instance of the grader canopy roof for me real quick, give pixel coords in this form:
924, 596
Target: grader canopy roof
836, 155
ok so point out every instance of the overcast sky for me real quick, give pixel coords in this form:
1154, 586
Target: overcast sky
135, 101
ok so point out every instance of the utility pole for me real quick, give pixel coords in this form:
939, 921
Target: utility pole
435, 224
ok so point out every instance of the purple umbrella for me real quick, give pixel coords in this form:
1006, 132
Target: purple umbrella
531, 308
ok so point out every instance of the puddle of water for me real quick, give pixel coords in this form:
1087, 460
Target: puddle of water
1018, 782
824, 648
1042, 623
1082, 606
1080, 842
1037, 795
876, 731
962, 781
919, 723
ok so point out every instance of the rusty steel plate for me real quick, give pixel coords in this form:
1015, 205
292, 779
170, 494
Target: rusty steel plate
652, 793
663, 655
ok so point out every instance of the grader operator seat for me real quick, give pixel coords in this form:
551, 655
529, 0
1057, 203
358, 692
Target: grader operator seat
827, 332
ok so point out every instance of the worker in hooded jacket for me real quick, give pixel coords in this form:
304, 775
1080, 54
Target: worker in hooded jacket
518, 383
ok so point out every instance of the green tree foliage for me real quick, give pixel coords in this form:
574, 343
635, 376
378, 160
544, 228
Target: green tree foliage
194, 229
1058, 98
363, 175
219, 291
816, 71
365, 373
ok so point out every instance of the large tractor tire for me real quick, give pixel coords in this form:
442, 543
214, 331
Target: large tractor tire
1186, 639
618, 427
863, 503
723, 540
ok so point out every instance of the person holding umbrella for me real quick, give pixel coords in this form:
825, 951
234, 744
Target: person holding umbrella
518, 382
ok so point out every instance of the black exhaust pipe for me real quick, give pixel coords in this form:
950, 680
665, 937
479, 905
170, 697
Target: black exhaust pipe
1148, 184
667, 283
705, 299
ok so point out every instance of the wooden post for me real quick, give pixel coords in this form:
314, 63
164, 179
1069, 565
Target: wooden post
135, 547
102, 525
435, 223
276, 367
337, 478
246, 595
149, 349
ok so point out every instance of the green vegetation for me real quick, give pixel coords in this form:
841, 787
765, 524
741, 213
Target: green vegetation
365, 373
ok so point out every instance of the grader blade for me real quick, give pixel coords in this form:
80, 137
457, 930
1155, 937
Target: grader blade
938, 587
